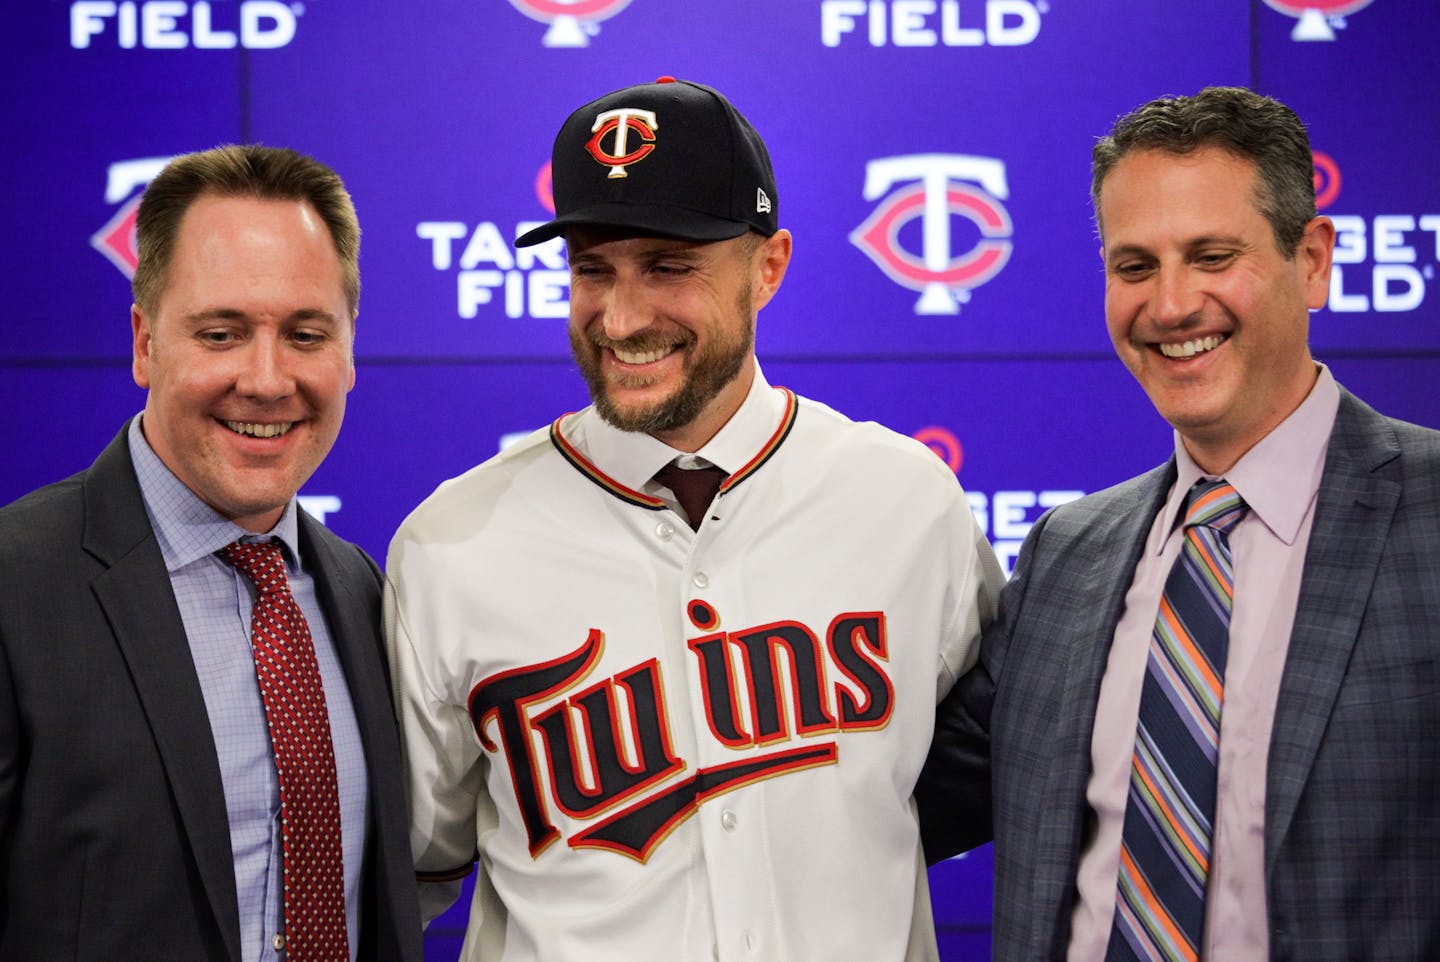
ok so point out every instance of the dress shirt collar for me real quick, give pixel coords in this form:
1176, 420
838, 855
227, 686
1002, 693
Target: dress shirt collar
186, 527
632, 457
1279, 476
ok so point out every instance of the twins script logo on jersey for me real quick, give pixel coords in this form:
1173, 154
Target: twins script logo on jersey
1317, 19
605, 753
572, 22
116, 240
942, 187
622, 122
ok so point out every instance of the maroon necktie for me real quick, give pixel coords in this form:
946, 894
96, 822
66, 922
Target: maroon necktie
694, 488
314, 878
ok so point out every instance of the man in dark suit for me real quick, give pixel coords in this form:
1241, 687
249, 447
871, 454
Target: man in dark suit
1232, 755
161, 795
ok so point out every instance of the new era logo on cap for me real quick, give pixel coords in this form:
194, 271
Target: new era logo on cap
670, 158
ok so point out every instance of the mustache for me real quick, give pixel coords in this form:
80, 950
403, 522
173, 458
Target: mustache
641, 342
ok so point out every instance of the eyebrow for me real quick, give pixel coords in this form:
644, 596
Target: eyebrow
1229, 240
1126, 250
1205, 240
687, 253
682, 250
235, 314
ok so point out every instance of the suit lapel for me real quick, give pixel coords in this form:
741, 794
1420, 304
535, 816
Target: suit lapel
137, 599
1353, 512
353, 621
348, 618
1114, 532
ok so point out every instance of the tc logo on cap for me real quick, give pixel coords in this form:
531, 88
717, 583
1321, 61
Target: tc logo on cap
622, 121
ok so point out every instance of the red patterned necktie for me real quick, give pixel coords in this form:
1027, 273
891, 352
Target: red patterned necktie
694, 488
1170, 811
314, 879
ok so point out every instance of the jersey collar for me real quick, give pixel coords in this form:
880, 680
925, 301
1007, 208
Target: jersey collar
623, 462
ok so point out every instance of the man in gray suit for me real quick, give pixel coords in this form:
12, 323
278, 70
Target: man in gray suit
163, 614
1206, 738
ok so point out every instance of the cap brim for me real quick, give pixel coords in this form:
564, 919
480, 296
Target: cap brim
656, 221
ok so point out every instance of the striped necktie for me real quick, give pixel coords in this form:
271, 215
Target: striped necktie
1170, 811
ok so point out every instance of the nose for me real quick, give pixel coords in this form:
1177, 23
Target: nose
264, 373
1177, 298
625, 310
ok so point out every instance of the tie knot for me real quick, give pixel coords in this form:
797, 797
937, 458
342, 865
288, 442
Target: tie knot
260, 561
694, 487
1214, 504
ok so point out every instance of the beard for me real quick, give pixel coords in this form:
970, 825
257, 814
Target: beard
707, 371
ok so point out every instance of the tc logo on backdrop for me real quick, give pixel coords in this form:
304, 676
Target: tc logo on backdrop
572, 22
125, 179
1317, 19
935, 187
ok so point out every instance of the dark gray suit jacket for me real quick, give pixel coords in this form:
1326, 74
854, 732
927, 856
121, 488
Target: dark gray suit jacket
114, 842
1352, 814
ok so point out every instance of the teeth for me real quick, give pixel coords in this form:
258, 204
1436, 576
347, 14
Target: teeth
1191, 348
633, 357
253, 430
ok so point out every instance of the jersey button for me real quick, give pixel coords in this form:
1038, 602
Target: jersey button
664, 531
277, 941
728, 820
700, 579
752, 941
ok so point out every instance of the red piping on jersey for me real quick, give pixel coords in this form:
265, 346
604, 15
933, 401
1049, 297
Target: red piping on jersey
639, 498
787, 421
582, 464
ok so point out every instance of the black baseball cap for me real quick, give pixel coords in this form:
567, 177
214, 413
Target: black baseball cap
670, 158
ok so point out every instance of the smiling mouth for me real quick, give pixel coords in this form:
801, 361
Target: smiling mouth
643, 357
1199, 345
252, 429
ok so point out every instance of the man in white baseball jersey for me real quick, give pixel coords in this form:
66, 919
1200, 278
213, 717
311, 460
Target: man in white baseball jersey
672, 740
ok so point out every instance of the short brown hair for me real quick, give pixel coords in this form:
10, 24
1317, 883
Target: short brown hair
250, 170
1253, 127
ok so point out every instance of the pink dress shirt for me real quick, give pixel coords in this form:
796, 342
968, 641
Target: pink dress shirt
1279, 478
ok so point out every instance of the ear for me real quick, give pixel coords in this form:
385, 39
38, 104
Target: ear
771, 260
140, 358
1317, 247
351, 386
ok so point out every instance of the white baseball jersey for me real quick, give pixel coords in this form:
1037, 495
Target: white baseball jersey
675, 744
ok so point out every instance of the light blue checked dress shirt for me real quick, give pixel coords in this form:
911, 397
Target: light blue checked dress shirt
215, 604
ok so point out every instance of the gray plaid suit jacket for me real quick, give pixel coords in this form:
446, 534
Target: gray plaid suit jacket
1352, 818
